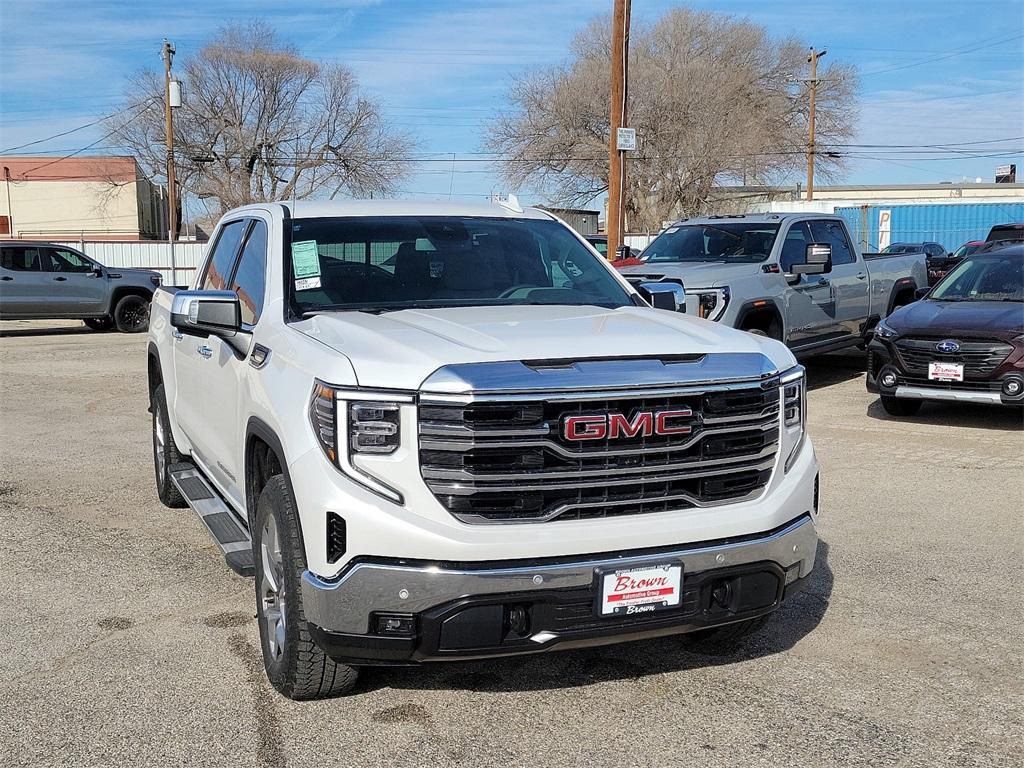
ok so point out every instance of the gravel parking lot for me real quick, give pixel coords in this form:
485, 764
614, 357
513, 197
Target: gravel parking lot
127, 641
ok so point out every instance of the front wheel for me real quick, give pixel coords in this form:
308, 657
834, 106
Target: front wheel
165, 452
897, 406
296, 666
132, 314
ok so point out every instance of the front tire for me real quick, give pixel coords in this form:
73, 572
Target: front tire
132, 314
165, 452
896, 406
296, 666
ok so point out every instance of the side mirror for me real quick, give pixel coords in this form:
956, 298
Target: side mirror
96, 272
664, 295
817, 260
920, 293
207, 313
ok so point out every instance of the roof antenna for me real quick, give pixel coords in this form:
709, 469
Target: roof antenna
510, 203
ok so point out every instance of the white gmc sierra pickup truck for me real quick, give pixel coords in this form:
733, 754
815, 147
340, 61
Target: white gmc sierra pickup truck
439, 431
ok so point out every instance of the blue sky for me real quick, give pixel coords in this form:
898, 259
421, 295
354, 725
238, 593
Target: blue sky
933, 71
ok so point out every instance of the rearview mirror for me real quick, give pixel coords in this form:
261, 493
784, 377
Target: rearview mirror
207, 313
817, 260
664, 295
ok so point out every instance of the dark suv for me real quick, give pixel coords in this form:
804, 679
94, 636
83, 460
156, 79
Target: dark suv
48, 281
963, 342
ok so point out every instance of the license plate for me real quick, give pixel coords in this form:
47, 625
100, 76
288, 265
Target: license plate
644, 589
946, 371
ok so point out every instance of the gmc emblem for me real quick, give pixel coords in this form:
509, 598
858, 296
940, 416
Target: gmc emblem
614, 425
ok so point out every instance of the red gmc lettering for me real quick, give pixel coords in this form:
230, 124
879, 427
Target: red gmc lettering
620, 426
663, 427
586, 428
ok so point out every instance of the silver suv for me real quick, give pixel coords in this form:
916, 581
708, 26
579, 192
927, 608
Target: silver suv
43, 281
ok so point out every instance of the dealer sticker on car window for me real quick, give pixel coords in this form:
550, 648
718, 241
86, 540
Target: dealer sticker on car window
306, 265
640, 590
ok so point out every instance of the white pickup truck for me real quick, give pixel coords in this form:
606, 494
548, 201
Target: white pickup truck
439, 431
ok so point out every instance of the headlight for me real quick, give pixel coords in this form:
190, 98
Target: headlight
883, 331
711, 302
351, 425
793, 397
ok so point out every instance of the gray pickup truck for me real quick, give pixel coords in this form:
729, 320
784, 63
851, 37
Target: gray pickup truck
797, 278
45, 281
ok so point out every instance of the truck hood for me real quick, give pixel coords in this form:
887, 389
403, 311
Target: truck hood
959, 319
697, 275
401, 349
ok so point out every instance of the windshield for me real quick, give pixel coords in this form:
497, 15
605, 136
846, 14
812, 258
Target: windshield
903, 248
983, 279
404, 262
739, 242
966, 250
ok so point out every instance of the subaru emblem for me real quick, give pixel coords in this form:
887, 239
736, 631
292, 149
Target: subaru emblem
948, 346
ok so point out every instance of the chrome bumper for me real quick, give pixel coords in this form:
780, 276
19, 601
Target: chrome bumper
954, 395
345, 605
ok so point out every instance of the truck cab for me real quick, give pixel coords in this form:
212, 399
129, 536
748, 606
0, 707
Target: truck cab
750, 272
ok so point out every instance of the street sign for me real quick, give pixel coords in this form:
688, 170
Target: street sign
625, 139
1006, 174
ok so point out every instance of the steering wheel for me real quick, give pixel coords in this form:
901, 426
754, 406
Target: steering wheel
507, 293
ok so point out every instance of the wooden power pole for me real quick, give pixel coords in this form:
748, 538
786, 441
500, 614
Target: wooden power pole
172, 197
615, 219
812, 57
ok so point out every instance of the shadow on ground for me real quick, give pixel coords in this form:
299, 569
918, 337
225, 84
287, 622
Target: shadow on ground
826, 370
957, 415
14, 329
791, 622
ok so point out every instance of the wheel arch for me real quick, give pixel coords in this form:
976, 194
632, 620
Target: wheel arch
761, 314
903, 287
264, 457
126, 290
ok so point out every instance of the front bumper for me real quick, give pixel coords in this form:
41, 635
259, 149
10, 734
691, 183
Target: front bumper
451, 610
989, 391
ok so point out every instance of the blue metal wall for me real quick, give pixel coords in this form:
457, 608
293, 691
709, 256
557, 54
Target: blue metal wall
951, 224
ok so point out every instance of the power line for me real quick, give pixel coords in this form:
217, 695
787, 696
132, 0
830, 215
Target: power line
963, 50
79, 128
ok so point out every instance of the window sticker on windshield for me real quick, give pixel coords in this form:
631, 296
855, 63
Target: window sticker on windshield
305, 260
307, 283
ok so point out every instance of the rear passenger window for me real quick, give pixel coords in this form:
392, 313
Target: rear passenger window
833, 233
19, 259
251, 275
218, 270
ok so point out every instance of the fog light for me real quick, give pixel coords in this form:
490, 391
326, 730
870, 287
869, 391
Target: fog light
1013, 387
395, 624
519, 620
888, 379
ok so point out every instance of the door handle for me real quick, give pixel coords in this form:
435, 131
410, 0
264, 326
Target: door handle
6, 278
205, 351
177, 335
60, 279
861, 275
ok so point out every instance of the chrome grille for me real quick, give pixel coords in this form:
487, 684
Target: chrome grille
506, 461
979, 358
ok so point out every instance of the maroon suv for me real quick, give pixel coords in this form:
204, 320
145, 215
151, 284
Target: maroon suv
963, 342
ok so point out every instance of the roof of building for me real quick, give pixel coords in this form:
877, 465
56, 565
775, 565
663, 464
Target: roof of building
91, 168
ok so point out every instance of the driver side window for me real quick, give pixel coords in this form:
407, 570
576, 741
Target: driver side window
794, 248
68, 261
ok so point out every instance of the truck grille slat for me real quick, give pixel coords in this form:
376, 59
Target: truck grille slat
494, 462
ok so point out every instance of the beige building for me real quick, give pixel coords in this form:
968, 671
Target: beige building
79, 198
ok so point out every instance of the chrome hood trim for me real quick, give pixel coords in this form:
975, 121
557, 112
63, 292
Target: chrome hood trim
576, 377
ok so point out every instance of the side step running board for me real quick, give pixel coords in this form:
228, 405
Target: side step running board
218, 518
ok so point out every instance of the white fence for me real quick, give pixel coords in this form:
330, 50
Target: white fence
146, 255
638, 241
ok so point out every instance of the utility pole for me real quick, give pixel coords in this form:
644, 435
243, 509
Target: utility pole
615, 219
172, 204
812, 57
10, 211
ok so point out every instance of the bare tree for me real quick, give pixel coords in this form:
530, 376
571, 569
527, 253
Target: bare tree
261, 123
713, 98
